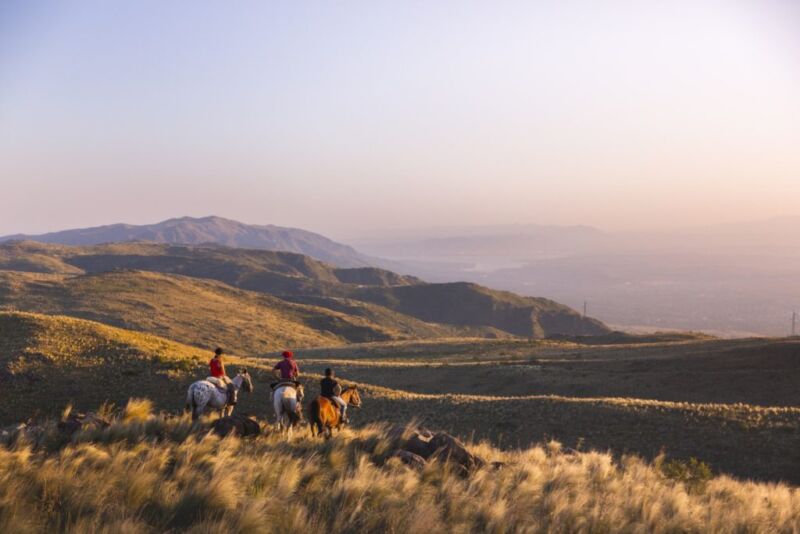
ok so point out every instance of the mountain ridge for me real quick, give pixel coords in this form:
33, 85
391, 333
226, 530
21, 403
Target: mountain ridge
304, 280
207, 230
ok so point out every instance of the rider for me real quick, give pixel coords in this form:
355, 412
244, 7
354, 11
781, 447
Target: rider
331, 390
286, 370
217, 367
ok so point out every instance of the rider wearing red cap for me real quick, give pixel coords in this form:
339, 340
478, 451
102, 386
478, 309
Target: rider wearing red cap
286, 369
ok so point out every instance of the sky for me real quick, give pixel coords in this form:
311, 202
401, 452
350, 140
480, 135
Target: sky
352, 117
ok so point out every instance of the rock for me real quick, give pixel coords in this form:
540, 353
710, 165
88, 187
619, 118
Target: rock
79, 421
450, 449
396, 434
410, 459
419, 445
400, 434
237, 424
9, 434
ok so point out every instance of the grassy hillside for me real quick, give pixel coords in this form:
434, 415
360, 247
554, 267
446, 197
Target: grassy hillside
753, 371
48, 362
148, 473
206, 313
299, 277
462, 303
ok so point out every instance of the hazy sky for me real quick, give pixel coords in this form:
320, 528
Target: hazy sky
345, 116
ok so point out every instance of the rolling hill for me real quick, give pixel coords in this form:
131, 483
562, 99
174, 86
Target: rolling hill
307, 281
208, 230
208, 313
49, 362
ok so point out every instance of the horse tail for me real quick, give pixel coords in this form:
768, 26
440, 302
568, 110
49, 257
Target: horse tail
191, 403
291, 411
314, 416
189, 400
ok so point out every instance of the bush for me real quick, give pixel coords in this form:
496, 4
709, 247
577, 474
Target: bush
693, 473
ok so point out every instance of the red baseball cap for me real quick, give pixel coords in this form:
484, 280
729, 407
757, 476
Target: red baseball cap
288, 354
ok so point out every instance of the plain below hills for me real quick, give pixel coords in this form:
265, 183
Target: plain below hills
303, 280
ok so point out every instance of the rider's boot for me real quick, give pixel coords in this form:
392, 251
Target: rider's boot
343, 414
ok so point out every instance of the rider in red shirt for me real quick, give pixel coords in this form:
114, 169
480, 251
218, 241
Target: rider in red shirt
286, 369
217, 369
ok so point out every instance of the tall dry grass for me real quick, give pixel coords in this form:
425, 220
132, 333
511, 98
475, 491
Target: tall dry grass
154, 473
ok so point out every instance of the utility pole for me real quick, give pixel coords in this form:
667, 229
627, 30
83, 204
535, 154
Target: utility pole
794, 323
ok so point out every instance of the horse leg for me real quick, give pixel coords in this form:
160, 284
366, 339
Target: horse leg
197, 410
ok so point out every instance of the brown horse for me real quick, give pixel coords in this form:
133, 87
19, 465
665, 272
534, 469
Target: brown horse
324, 415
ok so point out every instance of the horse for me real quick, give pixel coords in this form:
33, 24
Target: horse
203, 394
324, 415
286, 401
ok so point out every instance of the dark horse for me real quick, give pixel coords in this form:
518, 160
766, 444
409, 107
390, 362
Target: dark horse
324, 415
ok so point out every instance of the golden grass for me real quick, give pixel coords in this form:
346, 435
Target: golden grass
52, 361
158, 476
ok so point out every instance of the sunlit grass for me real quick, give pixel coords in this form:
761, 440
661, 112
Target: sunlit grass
161, 476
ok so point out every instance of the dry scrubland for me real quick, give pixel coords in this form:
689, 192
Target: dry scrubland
49, 362
151, 473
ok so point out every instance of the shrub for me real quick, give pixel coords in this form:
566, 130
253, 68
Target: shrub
693, 473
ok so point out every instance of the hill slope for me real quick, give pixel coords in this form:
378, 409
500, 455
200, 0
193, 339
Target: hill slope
302, 279
205, 230
49, 362
207, 313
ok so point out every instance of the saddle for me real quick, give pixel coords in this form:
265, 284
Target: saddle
218, 383
225, 389
294, 384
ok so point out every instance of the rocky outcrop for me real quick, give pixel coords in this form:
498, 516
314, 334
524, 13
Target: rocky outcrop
416, 447
238, 425
74, 422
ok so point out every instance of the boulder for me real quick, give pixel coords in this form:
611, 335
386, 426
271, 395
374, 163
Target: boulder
450, 449
424, 444
78, 421
238, 425
410, 459
419, 445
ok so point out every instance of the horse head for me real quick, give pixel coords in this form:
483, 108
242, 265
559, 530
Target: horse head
354, 398
246, 381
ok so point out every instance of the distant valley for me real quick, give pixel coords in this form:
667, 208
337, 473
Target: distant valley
729, 280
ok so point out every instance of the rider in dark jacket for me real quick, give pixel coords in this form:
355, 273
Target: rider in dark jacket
331, 390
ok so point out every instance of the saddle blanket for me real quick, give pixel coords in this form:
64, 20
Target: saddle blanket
217, 382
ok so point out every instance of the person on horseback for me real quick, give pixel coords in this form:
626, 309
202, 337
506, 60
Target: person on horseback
286, 370
331, 390
217, 369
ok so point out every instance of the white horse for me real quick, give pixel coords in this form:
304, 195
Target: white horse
286, 403
204, 394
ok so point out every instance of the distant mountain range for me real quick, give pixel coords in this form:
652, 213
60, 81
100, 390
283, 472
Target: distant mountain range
210, 230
